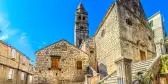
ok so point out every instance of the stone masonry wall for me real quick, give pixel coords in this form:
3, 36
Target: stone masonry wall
67, 71
159, 34
108, 47
135, 35
89, 47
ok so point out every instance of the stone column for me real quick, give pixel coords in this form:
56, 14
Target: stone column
124, 70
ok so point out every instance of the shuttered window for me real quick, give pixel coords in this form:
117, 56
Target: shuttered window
13, 53
79, 64
11, 74
55, 61
22, 76
24, 60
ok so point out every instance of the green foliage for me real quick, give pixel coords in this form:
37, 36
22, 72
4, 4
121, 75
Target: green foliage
164, 64
77, 22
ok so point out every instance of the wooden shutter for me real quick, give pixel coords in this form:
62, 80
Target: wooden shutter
11, 74
22, 76
79, 64
55, 63
13, 53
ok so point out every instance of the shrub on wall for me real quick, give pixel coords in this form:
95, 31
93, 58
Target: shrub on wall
164, 64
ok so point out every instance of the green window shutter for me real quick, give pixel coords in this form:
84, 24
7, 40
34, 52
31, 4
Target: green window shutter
151, 24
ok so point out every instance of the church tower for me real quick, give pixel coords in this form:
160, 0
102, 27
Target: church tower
81, 25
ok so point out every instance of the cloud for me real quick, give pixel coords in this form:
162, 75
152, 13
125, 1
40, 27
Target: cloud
4, 37
6, 31
23, 39
44, 43
16, 37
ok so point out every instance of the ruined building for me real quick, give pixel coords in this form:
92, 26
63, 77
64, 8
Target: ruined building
122, 46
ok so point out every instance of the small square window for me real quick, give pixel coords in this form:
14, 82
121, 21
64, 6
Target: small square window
128, 21
64, 47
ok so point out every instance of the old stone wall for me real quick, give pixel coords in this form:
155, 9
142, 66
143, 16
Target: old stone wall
7, 63
107, 41
159, 33
135, 35
89, 47
67, 71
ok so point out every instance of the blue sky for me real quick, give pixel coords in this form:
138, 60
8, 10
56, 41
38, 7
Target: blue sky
29, 25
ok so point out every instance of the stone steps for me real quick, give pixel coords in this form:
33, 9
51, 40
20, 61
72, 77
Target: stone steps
136, 67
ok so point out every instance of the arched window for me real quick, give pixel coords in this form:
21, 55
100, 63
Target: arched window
84, 18
79, 18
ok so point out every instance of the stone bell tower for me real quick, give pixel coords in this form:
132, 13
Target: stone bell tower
81, 25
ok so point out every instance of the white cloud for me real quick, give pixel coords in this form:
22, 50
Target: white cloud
4, 37
6, 31
44, 43
15, 37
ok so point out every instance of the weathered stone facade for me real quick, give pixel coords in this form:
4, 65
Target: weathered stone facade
89, 47
126, 33
123, 33
81, 31
12, 60
67, 71
156, 24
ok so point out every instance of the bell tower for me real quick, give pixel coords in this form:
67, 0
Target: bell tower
81, 25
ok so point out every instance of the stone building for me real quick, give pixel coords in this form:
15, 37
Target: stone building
15, 67
61, 63
156, 23
122, 46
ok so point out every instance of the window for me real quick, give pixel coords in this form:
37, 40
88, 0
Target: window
23, 60
91, 51
64, 47
30, 79
84, 18
11, 74
149, 38
81, 28
79, 64
79, 18
55, 62
22, 76
143, 56
151, 24
80, 41
128, 21
13, 53
103, 33
166, 50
